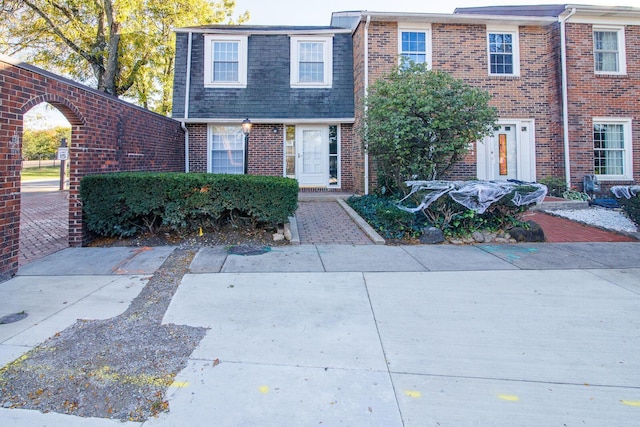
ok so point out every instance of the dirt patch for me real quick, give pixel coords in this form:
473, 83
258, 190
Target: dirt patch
116, 368
227, 235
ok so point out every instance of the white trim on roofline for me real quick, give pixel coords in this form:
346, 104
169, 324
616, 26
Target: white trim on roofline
342, 120
257, 31
453, 18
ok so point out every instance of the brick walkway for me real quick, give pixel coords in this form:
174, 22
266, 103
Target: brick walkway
326, 222
558, 230
44, 225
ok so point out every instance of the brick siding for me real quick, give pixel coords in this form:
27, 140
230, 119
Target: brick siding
108, 135
461, 50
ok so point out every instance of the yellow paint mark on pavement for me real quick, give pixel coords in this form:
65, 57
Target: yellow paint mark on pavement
635, 403
509, 397
105, 374
413, 393
180, 384
264, 389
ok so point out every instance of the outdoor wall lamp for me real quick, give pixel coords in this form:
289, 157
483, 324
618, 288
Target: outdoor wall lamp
246, 130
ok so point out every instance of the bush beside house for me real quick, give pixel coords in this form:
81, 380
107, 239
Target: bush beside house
124, 204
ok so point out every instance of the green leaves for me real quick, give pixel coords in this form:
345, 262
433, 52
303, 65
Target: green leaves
421, 122
122, 47
123, 204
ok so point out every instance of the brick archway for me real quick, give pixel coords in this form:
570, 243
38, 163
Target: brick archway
108, 135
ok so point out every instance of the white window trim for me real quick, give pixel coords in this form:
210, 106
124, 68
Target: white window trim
628, 148
339, 156
210, 128
513, 30
242, 61
328, 62
622, 54
417, 29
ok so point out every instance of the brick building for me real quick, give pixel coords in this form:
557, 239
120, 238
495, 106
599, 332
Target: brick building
564, 80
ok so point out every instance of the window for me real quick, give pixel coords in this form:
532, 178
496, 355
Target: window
225, 61
608, 50
290, 151
226, 148
415, 44
612, 151
311, 61
334, 163
504, 52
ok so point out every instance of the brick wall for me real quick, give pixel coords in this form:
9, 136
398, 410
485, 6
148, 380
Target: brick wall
592, 95
461, 50
108, 135
266, 151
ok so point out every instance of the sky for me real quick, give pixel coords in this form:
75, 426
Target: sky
318, 12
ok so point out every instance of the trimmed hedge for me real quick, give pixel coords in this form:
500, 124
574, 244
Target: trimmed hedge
123, 204
631, 207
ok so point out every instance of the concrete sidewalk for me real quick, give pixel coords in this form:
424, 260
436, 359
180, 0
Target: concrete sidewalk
518, 335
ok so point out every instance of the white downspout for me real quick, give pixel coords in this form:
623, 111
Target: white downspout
186, 105
565, 96
366, 92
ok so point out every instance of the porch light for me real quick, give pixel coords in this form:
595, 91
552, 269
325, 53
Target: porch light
246, 130
246, 127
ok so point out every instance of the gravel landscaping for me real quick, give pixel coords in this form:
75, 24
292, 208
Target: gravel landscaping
609, 219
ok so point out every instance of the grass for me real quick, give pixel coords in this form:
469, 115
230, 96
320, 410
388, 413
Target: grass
49, 172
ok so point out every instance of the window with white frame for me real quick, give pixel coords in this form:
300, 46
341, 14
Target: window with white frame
311, 61
608, 50
334, 160
226, 149
415, 44
503, 47
612, 153
225, 61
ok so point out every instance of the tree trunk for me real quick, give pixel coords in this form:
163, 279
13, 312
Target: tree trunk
113, 43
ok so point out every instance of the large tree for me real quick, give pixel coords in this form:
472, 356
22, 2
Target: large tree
122, 47
418, 123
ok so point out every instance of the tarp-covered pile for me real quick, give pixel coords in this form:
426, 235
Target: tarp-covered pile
475, 195
626, 191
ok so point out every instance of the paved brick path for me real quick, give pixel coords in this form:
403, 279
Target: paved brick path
327, 223
44, 224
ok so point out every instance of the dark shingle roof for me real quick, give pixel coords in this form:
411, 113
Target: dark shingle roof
531, 10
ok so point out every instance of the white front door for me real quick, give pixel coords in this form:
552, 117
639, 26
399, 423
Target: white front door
312, 143
504, 153
509, 153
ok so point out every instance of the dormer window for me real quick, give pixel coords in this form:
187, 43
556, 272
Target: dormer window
225, 61
311, 62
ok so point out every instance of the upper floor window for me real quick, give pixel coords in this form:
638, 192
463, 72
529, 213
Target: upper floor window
504, 51
415, 44
612, 155
608, 50
225, 61
311, 61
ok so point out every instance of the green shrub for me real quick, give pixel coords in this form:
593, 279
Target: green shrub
631, 207
555, 186
385, 217
456, 220
123, 204
444, 213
